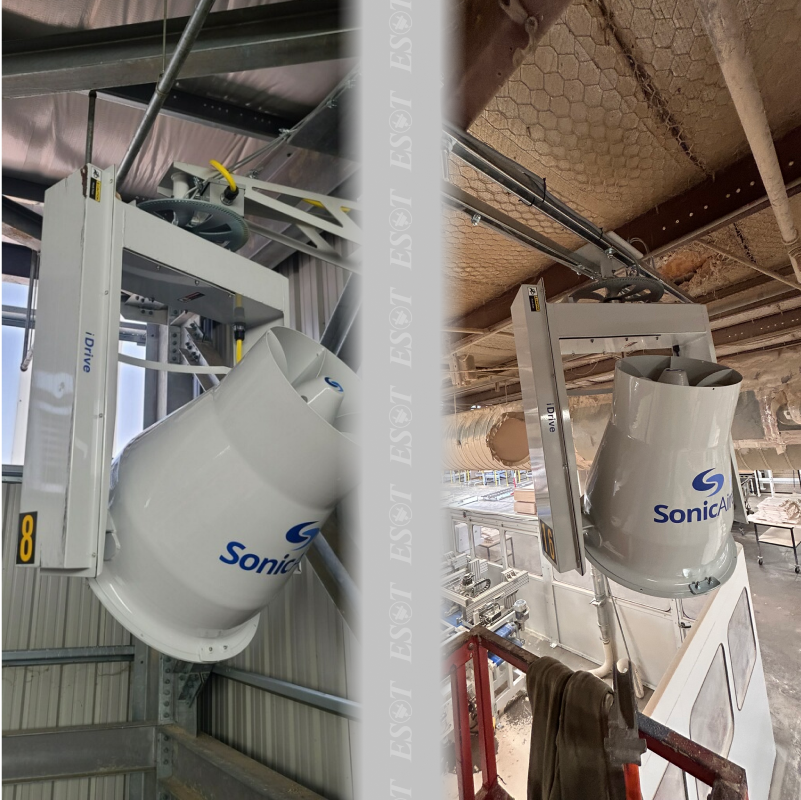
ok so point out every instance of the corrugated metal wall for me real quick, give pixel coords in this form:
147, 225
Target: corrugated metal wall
109, 788
314, 288
302, 637
45, 611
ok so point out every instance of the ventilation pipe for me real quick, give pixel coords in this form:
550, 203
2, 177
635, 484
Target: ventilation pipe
726, 34
492, 438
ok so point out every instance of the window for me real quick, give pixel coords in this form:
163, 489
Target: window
488, 544
130, 397
526, 549
16, 296
130, 384
712, 719
742, 647
12, 356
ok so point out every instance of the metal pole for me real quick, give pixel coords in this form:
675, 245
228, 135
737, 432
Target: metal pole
338, 334
337, 571
333, 704
68, 655
164, 86
90, 127
27, 348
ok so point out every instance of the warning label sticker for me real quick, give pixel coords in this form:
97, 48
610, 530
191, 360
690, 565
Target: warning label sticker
533, 298
95, 184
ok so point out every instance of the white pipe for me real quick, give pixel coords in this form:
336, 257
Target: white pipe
725, 32
602, 604
609, 659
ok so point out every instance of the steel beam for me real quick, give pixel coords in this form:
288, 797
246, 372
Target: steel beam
340, 706
67, 655
204, 111
22, 224
14, 317
731, 194
261, 37
533, 191
203, 768
24, 189
488, 42
59, 753
341, 333
17, 261
508, 226
758, 328
729, 341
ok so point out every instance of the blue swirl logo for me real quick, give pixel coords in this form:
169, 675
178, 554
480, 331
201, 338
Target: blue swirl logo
334, 384
712, 484
300, 537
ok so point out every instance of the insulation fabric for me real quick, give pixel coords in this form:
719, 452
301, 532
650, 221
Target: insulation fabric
44, 136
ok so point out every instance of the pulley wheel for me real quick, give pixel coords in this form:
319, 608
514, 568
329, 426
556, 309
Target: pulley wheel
213, 223
634, 289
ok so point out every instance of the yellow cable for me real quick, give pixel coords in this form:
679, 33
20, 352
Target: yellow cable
318, 204
225, 173
238, 350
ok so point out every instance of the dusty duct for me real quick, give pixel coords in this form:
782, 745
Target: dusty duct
494, 437
766, 430
486, 438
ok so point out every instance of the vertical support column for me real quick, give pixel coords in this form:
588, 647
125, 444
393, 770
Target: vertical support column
549, 432
152, 378
550, 604
180, 388
144, 707
461, 733
486, 732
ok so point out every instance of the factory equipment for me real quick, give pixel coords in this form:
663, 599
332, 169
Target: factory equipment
479, 592
231, 531
196, 525
648, 403
660, 495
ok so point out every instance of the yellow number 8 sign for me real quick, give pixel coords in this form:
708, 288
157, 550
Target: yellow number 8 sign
26, 539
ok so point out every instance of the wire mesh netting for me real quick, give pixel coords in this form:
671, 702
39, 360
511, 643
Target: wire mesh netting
620, 106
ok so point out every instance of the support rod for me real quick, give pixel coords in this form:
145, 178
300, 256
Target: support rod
67, 655
340, 706
164, 86
725, 32
90, 127
338, 334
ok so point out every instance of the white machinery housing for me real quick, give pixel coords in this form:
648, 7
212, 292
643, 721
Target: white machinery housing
543, 334
182, 551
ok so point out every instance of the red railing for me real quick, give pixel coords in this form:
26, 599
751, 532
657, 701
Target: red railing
727, 780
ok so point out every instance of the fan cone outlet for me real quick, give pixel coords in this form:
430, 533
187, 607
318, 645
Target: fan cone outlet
214, 507
660, 495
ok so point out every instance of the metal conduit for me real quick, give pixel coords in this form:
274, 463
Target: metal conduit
164, 86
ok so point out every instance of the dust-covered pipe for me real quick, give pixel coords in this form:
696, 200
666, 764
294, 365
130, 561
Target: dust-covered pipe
726, 34
486, 439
